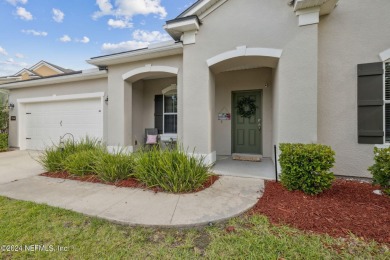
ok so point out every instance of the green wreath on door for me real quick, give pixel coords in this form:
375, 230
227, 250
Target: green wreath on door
246, 107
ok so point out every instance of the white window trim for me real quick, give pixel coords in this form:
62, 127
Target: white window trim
173, 134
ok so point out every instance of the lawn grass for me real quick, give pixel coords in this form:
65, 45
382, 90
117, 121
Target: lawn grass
253, 237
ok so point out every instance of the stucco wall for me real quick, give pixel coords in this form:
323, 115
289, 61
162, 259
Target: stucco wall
274, 25
354, 33
226, 83
81, 87
120, 119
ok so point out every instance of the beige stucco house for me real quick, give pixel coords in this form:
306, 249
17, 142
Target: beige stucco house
295, 61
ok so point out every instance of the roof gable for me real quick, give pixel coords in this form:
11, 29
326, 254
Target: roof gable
43, 63
29, 72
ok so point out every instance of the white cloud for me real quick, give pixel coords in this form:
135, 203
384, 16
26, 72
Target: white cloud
119, 24
15, 2
65, 38
35, 33
58, 15
19, 56
3, 51
141, 39
154, 36
24, 14
9, 67
85, 39
123, 46
130, 8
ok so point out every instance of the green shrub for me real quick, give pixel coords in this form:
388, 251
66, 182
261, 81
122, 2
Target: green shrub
81, 163
53, 158
172, 170
306, 167
114, 167
381, 169
3, 142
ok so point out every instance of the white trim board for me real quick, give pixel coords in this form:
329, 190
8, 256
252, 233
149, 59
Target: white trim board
60, 98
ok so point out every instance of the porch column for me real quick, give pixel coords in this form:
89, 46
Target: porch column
180, 106
198, 105
295, 89
119, 113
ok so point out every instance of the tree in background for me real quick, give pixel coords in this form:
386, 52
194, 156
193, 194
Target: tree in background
4, 112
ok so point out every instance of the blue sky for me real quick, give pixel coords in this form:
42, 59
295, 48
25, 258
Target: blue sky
67, 32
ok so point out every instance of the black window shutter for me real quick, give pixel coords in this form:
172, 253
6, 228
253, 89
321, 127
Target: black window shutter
370, 103
158, 113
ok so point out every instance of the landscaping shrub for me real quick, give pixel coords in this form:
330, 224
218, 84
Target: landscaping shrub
3, 142
306, 167
53, 158
114, 167
172, 170
381, 169
81, 163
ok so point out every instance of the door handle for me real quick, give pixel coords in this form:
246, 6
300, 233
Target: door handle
259, 124
61, 123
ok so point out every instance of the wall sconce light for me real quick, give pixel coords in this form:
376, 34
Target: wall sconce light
11, 106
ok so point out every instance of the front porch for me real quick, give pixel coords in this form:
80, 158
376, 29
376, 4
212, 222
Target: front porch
226, 166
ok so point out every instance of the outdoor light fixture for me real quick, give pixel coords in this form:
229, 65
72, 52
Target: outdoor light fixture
11, 106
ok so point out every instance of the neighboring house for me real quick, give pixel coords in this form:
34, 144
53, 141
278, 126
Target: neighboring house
37, 71
298, 61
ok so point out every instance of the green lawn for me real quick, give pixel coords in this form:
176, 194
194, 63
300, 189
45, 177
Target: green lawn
24, 223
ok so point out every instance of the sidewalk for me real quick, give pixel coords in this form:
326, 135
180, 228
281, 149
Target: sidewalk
228, 197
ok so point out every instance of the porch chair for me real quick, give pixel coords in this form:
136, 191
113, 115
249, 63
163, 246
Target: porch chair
151, 137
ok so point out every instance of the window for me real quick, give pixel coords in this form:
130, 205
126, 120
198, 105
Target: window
165, 111
387, 102
170, 112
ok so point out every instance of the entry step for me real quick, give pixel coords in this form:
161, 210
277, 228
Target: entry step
247, 157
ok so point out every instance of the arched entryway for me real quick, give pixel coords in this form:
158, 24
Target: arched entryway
244, 73
149, 98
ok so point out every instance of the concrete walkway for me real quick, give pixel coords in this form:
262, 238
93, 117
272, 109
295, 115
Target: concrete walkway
16, 165
228, 197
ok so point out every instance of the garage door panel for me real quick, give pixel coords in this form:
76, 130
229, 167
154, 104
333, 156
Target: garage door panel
46, 122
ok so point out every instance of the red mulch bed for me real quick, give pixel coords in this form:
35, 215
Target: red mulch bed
348, 207
128, 183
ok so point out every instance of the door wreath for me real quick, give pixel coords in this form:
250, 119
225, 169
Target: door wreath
246, 107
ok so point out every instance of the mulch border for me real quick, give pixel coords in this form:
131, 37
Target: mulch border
128, 183
348, 207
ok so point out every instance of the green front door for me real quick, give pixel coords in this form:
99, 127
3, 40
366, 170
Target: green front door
247, 131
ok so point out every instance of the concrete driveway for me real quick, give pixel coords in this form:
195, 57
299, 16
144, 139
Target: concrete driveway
17, 165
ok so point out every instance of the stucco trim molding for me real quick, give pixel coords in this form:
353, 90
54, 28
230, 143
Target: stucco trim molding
385, 55
150, 68
60, 98
243, 51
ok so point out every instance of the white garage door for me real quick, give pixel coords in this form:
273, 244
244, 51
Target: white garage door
46, 122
